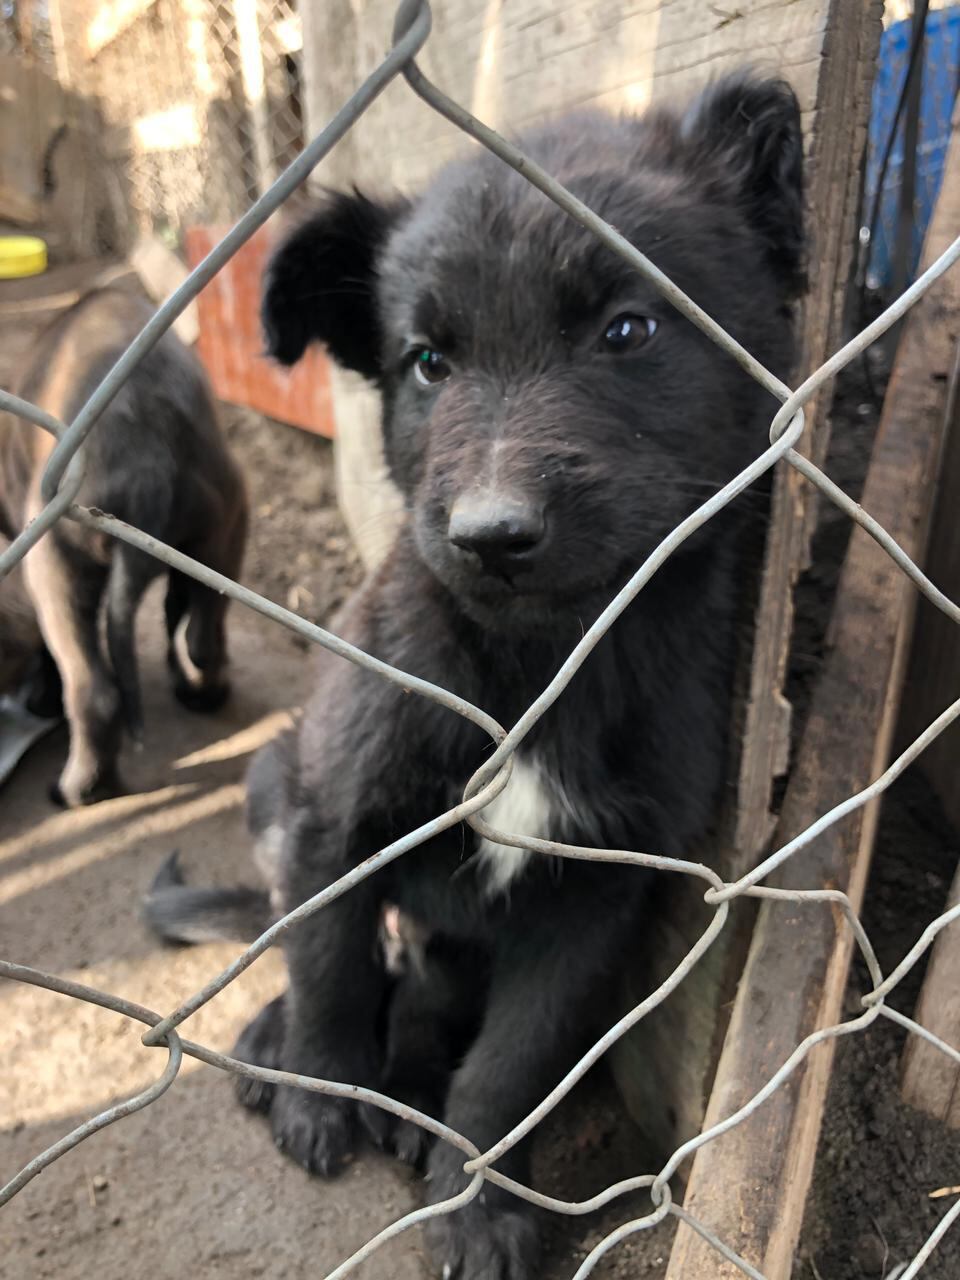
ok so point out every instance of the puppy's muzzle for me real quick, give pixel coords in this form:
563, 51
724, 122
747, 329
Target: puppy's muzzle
504, 531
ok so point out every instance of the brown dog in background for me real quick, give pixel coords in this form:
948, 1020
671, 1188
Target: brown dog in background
156, 459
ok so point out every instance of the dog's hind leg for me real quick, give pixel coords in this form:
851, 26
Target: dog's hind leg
549, 973
196, 617
198, 655
43, 688
336, 987
432, 1016
175, 605
66, 589
131, 572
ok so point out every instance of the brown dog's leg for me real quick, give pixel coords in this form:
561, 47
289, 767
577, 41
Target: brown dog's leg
67, 598
131, 572
20, 640
196, 618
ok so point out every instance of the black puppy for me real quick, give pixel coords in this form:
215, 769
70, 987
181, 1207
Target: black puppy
156, 459
549, 418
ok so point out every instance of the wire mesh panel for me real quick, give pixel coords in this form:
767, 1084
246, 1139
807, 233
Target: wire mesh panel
61, 484
201, 101
26, 30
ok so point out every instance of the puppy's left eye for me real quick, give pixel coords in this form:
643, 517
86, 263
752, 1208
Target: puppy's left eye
628, 333
430, 367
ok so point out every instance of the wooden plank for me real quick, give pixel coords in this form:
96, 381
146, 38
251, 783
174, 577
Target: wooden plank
110, 20
933, 679
849, 52
161, 272
364, 490
250, 53
31, 108
751, 1185
645, 1062
931, 1080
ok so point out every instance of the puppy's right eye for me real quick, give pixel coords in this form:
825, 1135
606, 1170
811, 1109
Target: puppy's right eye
628, 333
430, 367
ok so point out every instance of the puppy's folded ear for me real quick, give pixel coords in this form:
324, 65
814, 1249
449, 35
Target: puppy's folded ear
320, 283
746, 129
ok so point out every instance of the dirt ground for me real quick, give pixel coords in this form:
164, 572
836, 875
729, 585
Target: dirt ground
192, 1184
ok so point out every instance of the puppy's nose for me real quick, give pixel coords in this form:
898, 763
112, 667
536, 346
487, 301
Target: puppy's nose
503, 529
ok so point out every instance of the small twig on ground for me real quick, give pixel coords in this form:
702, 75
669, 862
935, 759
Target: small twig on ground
883, 1241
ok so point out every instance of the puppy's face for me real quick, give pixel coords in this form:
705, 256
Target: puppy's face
548, 416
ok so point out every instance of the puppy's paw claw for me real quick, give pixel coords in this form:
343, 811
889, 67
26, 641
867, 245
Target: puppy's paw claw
315, 1131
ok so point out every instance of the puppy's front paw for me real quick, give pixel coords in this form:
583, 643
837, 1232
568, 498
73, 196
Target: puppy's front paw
483, 1242
316, 1131
405, 1139
260, 1044
409, 1142
203, 699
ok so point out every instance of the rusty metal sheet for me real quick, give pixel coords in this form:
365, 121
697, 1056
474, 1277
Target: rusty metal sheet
230, 344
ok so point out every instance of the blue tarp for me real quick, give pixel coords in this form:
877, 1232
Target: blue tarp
940, 62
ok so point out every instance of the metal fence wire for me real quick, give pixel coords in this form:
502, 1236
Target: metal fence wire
60, 486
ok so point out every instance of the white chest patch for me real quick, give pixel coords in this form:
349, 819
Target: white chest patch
525, 807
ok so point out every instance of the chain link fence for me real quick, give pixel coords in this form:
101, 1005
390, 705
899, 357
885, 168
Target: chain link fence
200, 101
60, 486
26, 30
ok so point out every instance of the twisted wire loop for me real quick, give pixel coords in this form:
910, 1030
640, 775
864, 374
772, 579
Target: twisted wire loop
62, 480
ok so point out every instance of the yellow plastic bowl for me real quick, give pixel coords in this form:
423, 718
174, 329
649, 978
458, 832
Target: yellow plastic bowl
22, 256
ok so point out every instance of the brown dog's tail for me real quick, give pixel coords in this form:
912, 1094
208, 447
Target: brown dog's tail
178, 913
